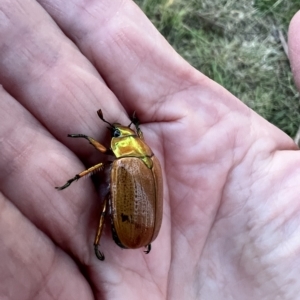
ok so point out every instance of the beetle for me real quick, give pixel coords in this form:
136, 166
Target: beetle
133, 187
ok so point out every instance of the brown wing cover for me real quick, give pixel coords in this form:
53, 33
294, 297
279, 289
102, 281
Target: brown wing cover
136, 201
159, 196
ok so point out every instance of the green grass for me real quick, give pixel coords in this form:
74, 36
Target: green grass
237, 44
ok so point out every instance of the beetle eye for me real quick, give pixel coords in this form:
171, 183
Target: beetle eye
116, 133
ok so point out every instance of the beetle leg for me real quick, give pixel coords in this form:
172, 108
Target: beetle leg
83, 173
135, 121
148, 249
98, 253
92, 141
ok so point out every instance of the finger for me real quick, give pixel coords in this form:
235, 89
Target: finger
135, 60
294, 47
45, 71
31, 166
32, 267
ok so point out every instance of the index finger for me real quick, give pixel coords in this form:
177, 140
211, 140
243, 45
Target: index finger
135, 60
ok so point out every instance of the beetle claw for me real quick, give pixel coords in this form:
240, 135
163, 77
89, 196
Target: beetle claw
68, 183
63, 187
98, 253
148, 249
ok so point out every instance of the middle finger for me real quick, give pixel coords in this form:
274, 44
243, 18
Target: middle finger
47, 73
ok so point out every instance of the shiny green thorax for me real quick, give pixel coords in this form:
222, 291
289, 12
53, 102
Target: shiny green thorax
126, 143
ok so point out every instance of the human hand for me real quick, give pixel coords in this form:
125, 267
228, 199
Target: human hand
230, 224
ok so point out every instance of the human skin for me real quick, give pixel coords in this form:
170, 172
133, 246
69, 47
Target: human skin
231, 217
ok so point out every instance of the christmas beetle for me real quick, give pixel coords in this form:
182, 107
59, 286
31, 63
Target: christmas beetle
134, 187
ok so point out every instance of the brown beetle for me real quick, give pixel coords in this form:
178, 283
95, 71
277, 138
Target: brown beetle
134, 196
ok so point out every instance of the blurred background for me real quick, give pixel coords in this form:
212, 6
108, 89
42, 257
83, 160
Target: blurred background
240, 44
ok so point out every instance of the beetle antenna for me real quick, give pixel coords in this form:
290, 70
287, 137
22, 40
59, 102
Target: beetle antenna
100, 114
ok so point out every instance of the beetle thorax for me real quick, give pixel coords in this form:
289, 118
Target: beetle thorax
130, 146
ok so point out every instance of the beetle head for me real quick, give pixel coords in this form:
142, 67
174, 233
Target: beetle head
116, 129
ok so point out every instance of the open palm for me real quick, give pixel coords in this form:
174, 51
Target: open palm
231, 180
